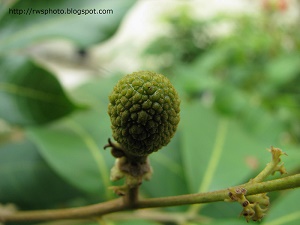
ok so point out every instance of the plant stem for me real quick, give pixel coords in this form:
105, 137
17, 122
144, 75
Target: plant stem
117, 205
271, 166
70, 213
131, 198
255, 188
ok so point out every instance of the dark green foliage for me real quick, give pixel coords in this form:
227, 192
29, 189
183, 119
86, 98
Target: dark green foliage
30, 94
251, 72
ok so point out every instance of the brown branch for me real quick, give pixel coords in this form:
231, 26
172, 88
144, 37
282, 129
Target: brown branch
71, 213
288, 182
131, 198
117, 205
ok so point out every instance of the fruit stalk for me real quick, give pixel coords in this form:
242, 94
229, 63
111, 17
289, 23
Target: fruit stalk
144, 113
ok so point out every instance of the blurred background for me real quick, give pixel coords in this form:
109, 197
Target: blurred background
235, 64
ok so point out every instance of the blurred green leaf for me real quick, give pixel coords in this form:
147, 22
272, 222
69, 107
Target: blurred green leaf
95, 92
285, 211
21, 31
73, 147
247, 69
217, 153
167, 166
230, 100
27, 180
291, 161
29, 94
224, 211
283, 69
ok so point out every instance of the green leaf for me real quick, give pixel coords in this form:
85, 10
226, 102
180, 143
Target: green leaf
73, 147
286, 211
229, 100
95, 92
29, 94
167, 166
217, 153
19, 31
27, 180
283, 69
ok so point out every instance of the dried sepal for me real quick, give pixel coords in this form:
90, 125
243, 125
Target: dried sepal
254, 206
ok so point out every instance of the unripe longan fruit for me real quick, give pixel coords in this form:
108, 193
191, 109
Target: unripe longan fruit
144, 112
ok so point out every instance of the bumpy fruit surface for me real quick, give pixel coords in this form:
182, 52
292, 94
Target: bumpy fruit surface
144, 112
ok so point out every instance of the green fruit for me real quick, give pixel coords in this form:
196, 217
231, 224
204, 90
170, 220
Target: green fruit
144, 112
